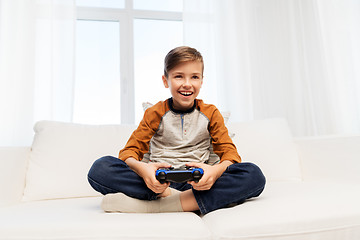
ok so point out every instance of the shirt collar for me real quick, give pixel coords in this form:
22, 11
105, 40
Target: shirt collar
180, 111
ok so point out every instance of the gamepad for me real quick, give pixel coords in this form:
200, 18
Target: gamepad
179, 175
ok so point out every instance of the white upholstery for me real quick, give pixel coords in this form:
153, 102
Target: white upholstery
292, 211
322, 202
268, 143
334, 158
13, 162
62, 154
82, 218
69, 148
286, 210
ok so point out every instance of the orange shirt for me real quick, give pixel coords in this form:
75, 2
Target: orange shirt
179, 137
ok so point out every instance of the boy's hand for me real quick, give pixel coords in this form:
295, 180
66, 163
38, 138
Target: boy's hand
147, 172
211, 174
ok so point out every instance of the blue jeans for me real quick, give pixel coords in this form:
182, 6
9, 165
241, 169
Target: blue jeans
239, 182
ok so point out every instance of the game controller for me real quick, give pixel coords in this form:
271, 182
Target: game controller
179, 175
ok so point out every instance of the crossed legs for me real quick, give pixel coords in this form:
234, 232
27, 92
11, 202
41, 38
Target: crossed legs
123, 188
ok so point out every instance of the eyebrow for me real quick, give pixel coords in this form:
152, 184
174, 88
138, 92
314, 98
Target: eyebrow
195, 73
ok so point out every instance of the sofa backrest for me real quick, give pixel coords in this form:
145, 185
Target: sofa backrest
62, 153
269, 144
13, 163
330, 158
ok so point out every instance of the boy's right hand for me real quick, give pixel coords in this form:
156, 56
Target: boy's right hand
148, 174
147, 171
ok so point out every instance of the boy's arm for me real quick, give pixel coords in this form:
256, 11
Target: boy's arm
138, 143
220, 168
223, 145
147, 172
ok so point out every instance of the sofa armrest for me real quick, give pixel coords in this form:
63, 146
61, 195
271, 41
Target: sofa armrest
331, 158
13, 164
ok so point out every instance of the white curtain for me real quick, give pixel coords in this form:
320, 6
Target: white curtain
297, 59
36, 65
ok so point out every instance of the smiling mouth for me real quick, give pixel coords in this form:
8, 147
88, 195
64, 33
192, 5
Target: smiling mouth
186, 93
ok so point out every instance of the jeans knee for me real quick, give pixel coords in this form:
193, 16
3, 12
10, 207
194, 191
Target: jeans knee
257, 176
251, 174
100, 168
100, 173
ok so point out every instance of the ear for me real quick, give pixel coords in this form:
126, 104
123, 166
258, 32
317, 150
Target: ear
165, 82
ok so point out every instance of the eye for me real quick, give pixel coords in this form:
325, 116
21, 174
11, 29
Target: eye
195, 77
178, 76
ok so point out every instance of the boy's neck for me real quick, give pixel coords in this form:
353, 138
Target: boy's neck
181, 111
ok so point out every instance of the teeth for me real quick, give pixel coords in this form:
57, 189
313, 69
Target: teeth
186, 93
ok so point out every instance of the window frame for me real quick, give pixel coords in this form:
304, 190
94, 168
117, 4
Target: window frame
125, 16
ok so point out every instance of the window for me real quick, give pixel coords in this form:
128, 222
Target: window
97, 85
150, 50
159, 5
120, 48
101, 3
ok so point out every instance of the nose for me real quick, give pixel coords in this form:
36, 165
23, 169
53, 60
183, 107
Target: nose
187, 82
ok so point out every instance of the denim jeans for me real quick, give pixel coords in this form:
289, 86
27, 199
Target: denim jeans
239, 182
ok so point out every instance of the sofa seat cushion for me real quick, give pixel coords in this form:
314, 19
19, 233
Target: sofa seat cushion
82, 218
292, 211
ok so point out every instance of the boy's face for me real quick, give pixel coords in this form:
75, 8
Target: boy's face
184, 81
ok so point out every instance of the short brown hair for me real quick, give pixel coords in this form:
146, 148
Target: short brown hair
180, 55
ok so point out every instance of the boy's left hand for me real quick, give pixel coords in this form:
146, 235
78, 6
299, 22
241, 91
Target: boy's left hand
211, 174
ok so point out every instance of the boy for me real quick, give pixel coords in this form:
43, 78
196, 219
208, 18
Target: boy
177, 132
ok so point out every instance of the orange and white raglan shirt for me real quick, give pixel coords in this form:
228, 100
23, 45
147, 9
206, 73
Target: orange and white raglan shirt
180, 137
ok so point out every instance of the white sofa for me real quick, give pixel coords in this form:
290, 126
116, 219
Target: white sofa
312, 190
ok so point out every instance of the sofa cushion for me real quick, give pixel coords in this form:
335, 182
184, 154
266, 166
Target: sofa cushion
62, 154
292, 211
13, 163
269, 144
285, 210
82, 218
